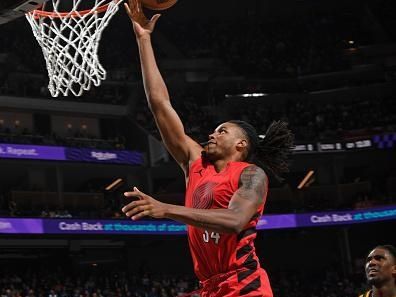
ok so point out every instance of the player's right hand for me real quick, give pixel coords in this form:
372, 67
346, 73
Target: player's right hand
145, 206
141, 25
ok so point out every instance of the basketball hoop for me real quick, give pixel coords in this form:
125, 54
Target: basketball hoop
69, 41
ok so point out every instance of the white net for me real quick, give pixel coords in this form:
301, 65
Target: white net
70, 41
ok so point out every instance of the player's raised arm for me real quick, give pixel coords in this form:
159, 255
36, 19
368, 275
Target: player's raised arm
181, 146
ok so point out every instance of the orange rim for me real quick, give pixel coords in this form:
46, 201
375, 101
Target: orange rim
37, 13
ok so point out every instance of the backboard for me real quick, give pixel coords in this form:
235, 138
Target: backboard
13, 9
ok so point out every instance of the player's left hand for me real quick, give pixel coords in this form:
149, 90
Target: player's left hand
145, 206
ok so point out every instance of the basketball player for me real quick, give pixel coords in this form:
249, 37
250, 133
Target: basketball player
381, 272
225, 193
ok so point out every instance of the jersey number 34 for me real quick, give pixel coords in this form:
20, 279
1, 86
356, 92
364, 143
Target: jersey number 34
214, 236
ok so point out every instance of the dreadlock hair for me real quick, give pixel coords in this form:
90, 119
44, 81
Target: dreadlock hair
272, 151
390, 248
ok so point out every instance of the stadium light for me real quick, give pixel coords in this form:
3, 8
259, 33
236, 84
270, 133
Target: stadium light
305, 179
114, 184
247, 95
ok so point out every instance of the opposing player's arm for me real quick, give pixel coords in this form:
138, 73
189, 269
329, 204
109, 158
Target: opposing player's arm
181, 146
242, 207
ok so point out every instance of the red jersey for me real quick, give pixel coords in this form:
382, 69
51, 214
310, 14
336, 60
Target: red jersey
215, 253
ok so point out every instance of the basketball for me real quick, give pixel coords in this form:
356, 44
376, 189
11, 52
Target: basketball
158, 4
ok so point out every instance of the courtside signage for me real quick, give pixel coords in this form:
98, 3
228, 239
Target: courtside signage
59, 153
70, 226
346, 217
155, 227
104, 156
38, 152
17, 226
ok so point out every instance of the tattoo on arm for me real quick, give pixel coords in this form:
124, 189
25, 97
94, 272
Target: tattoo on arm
253, 178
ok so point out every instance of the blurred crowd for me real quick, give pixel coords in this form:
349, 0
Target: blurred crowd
326, 284
60, 284
251, 47
77, 139
316, 121
197, 115
254, 47
384, 11
309, 120
53, 139
121, 284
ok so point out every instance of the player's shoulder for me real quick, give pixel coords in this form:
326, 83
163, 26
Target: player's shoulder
253, 170
253, 175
